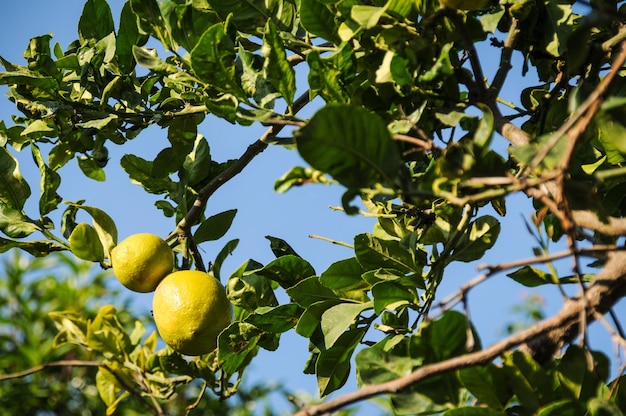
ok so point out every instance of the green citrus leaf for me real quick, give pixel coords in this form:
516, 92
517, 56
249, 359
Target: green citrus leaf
85, 243
14, 223
14, 190
487, 383
338, 318
344, 275
317, 19
276, 319
49, 183
96, 21
222, 255
278, 70
214, 227
287, 270
481, 236
333, 365
309, 291
103, 225
213, 60
351, 144
375, 253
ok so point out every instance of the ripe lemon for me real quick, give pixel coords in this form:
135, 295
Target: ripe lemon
465, 4
190, 309
141, 261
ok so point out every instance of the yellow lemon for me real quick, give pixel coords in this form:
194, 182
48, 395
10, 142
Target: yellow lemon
465, 4
190, 309
141, 261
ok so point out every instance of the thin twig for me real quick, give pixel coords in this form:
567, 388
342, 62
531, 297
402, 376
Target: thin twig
195, 213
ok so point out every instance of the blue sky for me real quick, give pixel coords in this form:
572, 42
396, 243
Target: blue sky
292, 216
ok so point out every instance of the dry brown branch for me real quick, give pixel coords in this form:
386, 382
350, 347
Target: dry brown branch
608, 287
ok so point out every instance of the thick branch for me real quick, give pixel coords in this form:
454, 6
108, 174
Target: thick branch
613, 227
608, 287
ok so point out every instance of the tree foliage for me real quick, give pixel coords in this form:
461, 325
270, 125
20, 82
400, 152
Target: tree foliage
410, 124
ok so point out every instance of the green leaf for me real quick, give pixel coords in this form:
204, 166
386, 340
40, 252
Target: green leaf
318, 20
391, 295
96, 21
277, 69
309, 323
581, 373
375, 253
298, 176
214, 227
149, 58
309, 291
287, 270
442, 68
480, 237
601, 407
197, 163
91, 169
447, 336
140, 172
14, 190
366, 16
128, 36
375, 365
39, 248
250, 291
344, 276
487, 383
85, 243
530, 276
38, 128
222, 255
49, 183
14, 223
151, 21
333, 365
530, 383
337, 319
103, 225
351, 144
237, 345
280, 247
213, 60
276, 319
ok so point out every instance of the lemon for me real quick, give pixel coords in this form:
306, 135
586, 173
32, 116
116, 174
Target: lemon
190, 309
465, 4
141, 261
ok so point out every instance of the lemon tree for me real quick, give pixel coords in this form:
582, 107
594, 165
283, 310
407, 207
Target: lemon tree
141, 261
190, 309
433, 121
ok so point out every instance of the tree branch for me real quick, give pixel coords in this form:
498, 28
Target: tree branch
608, 287
196, 211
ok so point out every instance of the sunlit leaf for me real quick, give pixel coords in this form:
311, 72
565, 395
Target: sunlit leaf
351, 144
214, 227
14, 223
333, 365
278, 70
14, 189
96, 21
318, 19
482, 235
85, 243
337, 319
